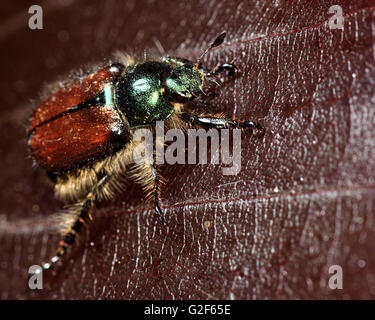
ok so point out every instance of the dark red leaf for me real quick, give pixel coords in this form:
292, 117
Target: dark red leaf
303, 201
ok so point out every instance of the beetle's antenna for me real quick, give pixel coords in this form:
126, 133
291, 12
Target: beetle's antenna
218, 41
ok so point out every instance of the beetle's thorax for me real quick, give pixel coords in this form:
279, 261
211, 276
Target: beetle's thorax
140, 94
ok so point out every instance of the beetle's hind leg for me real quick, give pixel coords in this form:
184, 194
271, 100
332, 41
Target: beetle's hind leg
82, 215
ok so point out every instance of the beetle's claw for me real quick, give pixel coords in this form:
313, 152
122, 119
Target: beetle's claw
160, 214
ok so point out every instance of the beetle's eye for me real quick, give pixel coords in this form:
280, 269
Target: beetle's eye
177, 85
182, 84
176, 91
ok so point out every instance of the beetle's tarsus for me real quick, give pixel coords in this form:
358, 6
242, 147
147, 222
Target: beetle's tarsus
160, 214
230, 67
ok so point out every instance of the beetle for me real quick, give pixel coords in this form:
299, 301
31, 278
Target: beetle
82, 133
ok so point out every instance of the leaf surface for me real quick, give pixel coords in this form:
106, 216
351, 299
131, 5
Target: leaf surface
302, 202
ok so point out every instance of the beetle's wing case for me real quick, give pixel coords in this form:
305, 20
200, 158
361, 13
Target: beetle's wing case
78, 123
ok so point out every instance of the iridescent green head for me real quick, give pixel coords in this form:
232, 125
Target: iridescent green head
183, 83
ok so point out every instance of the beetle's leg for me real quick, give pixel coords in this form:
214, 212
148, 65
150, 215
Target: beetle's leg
145, 173
156, 192
76, 227
218, 122
230, 67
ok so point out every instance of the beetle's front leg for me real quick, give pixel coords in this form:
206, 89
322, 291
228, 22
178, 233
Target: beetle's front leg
230, 67
218, 122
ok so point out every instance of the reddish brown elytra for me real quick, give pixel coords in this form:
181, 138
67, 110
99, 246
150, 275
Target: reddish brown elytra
83, 133
75, 124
